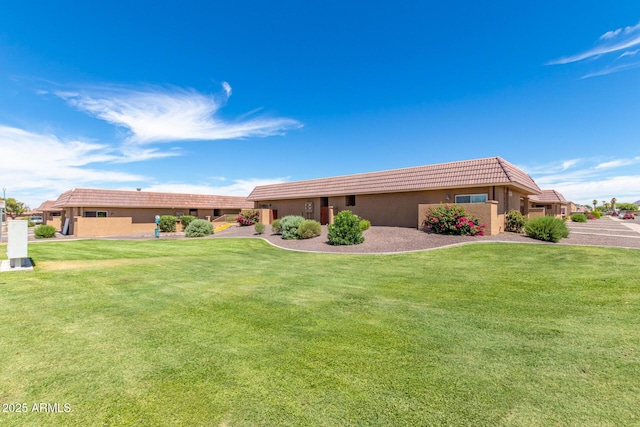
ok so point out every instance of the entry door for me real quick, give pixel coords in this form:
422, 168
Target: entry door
324, 215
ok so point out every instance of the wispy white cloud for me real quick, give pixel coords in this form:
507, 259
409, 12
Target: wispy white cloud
591, 179
40, 166
617, 40
159, 114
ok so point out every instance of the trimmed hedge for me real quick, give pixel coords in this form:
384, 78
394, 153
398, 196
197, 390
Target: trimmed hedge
259, 228
167, 223
44, 232
199, 228
546, 228
309, 228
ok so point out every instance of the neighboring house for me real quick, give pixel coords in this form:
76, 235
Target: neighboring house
488, 188
50, 215
95, 212
550, 203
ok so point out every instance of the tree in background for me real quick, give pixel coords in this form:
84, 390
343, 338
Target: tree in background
613, 203
15, 208
595, 203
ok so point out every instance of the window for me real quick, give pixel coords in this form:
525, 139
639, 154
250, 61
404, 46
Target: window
95, 214
350, 200
471, 198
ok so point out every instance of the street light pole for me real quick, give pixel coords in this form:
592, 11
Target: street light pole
3, 211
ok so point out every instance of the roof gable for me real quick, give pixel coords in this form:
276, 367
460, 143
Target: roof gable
469, 173
548, 196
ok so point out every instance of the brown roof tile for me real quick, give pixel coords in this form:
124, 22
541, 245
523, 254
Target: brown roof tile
548, 196
480, 172
48, 207
88, 197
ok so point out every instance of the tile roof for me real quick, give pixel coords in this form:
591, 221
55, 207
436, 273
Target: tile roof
469, 173
548, 196
88, 197
47, 207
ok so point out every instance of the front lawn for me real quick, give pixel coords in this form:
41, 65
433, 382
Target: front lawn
234, 332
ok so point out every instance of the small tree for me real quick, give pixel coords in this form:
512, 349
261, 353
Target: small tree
15, 208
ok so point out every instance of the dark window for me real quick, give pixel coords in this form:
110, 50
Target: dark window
350, 200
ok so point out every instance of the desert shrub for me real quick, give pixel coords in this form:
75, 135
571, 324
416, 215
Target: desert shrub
259, 228
199, 228
364, 224
289, 226
452, 219
546, 228
167, 223
309, 228
515, 221
248, 217
579, 217
275, 226
595, 214
44, 232
345, 229
185, 220
30, 224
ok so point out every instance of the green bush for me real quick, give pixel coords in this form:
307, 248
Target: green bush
579, 217
452, 219
44, 232
259, 227
289, 226
597, 214
185, 220
546, 228
345, 229
167, 223
515, 221
365, 224
275, 226
199, 228
309, 228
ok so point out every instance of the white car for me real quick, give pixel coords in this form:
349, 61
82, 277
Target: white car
37, 219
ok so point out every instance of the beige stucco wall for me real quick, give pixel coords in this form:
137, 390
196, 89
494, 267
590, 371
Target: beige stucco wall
100, 227
487, 213
398, 209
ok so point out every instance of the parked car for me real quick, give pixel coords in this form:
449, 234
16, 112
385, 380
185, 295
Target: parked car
628, 215
36, 219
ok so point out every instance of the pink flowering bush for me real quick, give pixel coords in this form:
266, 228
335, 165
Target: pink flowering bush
452, 219
248, 218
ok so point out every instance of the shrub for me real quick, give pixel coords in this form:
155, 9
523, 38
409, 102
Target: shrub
546, 228
259, 227
309, 228
44, 231
185, 220
515, 221
365, 224
452, 219
289, 226
167, 223
248, 218
596, 215
579, 217
30, 224
345, 229
275, 226
199, 228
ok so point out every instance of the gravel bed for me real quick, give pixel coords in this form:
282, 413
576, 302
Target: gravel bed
397, 239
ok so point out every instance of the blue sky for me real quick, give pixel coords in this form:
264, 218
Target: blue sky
217, 97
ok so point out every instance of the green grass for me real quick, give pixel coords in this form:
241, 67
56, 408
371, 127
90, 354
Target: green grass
234, 332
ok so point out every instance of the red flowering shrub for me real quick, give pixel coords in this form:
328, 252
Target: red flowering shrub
248, 217
452, 219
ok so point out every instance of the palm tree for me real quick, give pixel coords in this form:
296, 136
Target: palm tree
613, 204
595, 202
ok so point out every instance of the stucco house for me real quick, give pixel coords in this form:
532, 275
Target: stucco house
86, 212
548, 202
50, 215
488, 188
